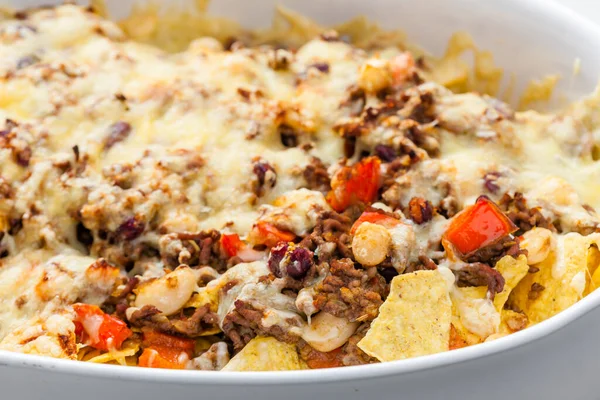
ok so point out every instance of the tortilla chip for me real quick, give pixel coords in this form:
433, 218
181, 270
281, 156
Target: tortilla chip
593, 261
129, 349
593, 258
474, 292
594, 282
460, 330
513, 270
413, 321
457, 339
474, 315
512, 321
206, 296
562, 275
266, 354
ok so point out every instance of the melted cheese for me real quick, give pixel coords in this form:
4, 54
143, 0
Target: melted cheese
36, 285
479, 316
197, 122
536, 151
190, 101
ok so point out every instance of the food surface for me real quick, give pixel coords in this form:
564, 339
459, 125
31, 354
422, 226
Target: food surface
247, 207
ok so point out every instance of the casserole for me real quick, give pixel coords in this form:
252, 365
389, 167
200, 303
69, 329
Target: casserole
453, 356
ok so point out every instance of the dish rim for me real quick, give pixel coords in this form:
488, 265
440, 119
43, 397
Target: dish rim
551, 10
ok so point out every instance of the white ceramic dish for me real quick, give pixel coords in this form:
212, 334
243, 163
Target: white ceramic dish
557, 359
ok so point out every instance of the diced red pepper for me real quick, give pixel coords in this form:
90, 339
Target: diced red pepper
152, 358
402, 66
269, 235
456, 340
375, 217
79, 332
98, 329
231, 244
331, 359
477, 226
157, 340
165, 351
356, 184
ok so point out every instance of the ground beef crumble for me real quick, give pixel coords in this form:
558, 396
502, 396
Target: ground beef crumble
479, 274
535, 291
491, 254
189, 323
158, 196
244, 323
425, 263
118, 301
351, 353
194, 249
330, 237
515, 207
349, 292
13, 139
399, 185
316, 176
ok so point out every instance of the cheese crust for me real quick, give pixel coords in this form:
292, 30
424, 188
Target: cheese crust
121, 162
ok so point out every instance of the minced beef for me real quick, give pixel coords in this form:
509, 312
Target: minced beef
351, 353
535, 291
330, 237
425, 263
193, 322
316, 176
394, 169
194, 249
423, 111
515, 207
190, 323
244, 323
6, 190
424, 180
508, 246
355, 101
479, 274
412, 142
118, 302
351, 293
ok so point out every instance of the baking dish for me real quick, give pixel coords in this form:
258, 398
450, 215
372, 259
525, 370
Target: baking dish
554, 359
